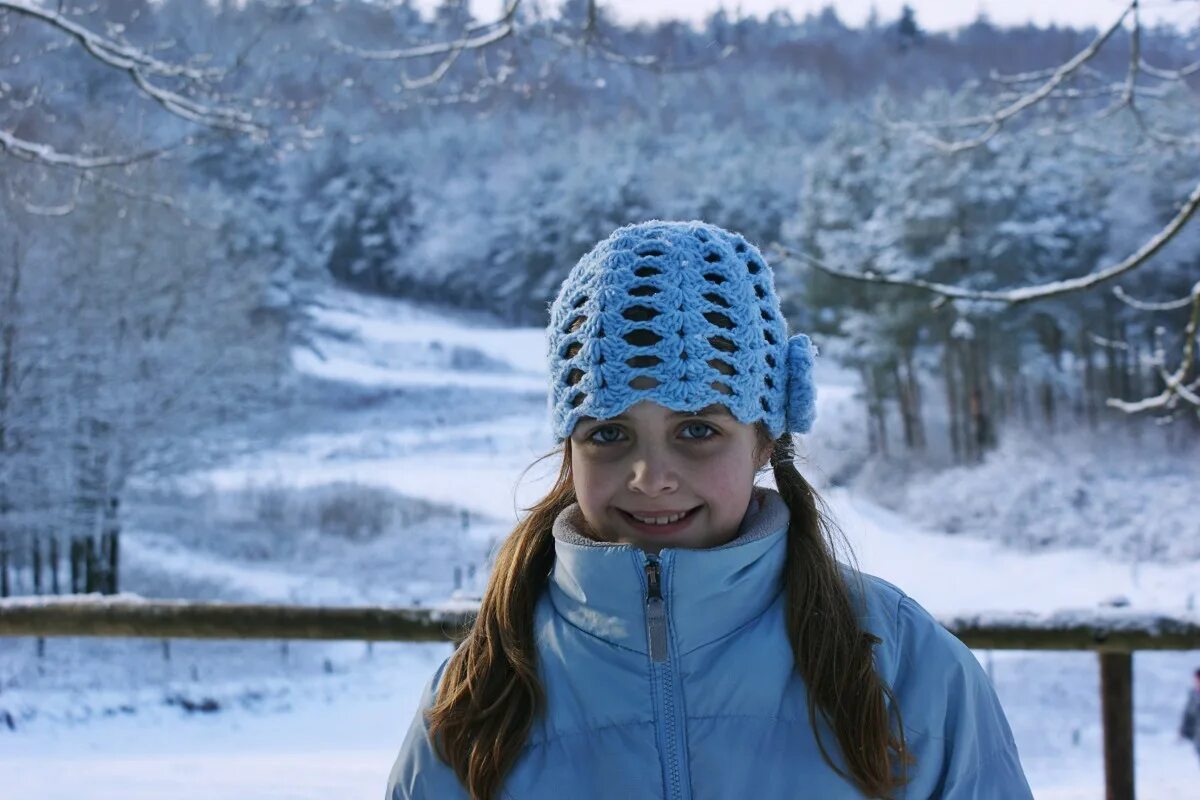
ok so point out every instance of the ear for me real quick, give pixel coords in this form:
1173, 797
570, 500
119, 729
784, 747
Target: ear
762, 457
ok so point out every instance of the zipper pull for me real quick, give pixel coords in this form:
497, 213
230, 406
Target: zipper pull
656, 613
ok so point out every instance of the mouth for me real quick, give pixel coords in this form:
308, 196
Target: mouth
654, 527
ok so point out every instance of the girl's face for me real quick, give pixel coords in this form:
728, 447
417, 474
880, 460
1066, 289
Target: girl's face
636, 471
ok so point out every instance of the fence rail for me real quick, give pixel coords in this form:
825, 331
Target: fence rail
1114, 635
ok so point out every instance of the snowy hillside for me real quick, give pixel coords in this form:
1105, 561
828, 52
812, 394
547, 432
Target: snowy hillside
396, 494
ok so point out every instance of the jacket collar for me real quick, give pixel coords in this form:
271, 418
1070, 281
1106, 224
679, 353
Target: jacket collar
601, 587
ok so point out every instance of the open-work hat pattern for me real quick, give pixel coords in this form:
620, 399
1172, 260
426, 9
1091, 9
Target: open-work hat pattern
681, 313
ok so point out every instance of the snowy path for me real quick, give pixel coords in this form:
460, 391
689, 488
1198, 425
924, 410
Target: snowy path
950, 575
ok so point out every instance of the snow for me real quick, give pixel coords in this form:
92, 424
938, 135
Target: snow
1050, 490
107, 719
971, 576
267, 585
95, 598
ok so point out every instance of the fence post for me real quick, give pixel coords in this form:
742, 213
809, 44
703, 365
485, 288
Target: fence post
1116, 697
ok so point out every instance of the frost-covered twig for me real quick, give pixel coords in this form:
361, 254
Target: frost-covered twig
591, 43
109, 51
995, 121
504, 27
589, 39
1108, 343
1140, 305
1022, 294
1175, 384
45, 154
482, 37
1171, 74
41, 210
1054, 84
139, 64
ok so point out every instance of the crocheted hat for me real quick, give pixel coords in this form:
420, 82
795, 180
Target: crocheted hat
681, 313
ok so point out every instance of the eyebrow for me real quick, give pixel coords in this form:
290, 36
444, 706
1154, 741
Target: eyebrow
716, 409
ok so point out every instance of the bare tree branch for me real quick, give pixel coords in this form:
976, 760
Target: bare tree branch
1054, 85
433, 77
1170, 305
589, 39
138, 64
504, 27
1171, 74
107, 49
1023, 294
41, 210
1109, 343
996, 120
1175, 386
44, 154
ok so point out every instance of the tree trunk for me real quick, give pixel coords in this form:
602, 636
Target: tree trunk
54, 556
987, 386
8, 354
1126, 387
1089, 378
1111, 368
948, 371
112, 525
914, 393
5, 588
878, 423
1048, 404
91, 566
906, 411
35, 545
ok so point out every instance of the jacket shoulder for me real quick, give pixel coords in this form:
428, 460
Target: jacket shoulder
878, 605
418, 772
953, 721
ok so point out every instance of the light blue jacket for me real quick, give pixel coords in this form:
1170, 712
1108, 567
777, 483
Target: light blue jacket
694, 696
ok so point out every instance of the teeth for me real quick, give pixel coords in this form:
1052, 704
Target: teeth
660, 520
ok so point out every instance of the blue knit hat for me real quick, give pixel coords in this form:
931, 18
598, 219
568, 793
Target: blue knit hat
687, 312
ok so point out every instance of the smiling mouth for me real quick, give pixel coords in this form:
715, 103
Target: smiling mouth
668, 521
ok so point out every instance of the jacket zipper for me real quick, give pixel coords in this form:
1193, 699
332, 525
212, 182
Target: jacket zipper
656, 613
669, 713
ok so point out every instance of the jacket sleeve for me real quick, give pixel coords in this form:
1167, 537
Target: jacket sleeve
954, 724
1187, 726
418, 773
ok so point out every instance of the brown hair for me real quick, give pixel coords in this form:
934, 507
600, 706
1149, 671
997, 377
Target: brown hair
489, 693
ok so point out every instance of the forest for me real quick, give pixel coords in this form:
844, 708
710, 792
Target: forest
179, 176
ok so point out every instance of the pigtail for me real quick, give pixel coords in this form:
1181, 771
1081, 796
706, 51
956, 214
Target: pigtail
833, 653
490, 694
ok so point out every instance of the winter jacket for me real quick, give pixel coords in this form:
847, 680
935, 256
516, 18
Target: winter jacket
672, 678
1189, 727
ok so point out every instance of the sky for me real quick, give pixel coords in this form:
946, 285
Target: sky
931, 14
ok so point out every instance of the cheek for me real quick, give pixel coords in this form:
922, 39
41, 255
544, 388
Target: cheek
593, 482
729, 478
728, 486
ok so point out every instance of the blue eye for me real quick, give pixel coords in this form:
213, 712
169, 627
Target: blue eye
703, 426
592, 437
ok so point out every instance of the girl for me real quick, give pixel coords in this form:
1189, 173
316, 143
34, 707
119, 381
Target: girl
658, 626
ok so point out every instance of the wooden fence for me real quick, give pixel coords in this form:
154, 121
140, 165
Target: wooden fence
1114, 635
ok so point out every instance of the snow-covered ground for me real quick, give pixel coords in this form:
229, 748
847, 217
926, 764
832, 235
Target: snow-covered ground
110, 718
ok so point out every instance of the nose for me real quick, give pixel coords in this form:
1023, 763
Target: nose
652, 474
